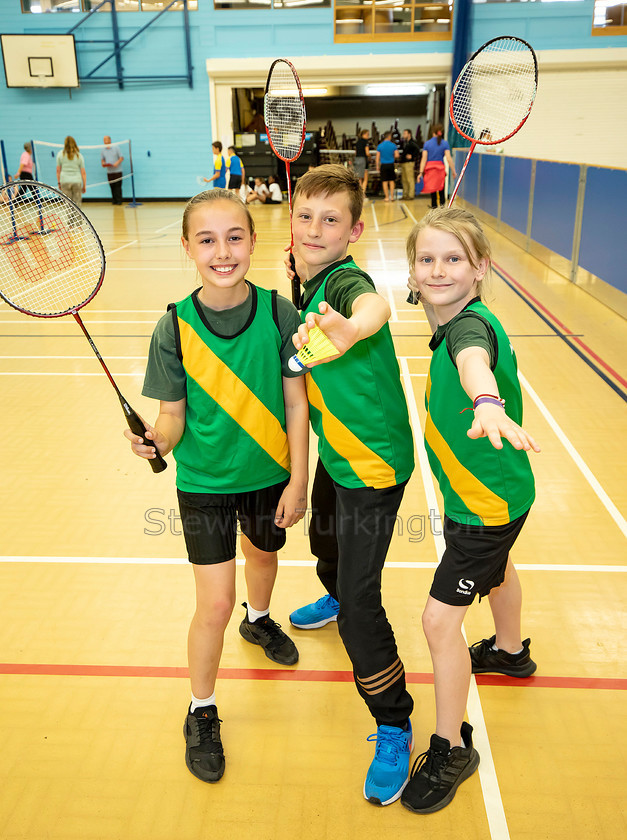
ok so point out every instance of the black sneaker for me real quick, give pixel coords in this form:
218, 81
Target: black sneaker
485, 660
265, 632
204, 755
438, 773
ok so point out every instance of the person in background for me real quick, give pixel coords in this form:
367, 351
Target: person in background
260, 191
387, 152
432, 170
111, 160
71, 176
362, 157
25, 169
236, 168
408, 156
220, 166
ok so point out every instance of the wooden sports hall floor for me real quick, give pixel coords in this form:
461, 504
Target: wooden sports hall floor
95, 594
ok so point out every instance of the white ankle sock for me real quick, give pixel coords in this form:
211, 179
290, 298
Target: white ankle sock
516, 652
196, 703
253, 614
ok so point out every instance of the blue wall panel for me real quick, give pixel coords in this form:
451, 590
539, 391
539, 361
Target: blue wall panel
490, 177
602, 249
470, 185
554, 204
516, 186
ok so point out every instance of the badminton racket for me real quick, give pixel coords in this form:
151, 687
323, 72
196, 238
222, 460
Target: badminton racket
284, 115
52, 264
492, 97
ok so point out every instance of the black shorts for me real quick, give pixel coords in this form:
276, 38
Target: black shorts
388, 173
235, 182
474, 560
210, 522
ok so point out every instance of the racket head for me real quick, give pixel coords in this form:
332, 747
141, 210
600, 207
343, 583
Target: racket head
495, 91
284, 110
51, 259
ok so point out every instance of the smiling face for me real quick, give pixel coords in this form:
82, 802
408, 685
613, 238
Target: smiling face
323, 229
220, 243
444, 274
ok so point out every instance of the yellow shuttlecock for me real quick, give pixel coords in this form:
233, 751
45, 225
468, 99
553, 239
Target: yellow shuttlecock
317, 348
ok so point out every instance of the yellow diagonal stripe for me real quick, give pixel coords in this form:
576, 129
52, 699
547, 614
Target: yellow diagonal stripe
232, 395
476, 496
366, 464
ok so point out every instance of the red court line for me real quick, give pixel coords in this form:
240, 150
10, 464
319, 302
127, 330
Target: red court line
293, 675
563, 327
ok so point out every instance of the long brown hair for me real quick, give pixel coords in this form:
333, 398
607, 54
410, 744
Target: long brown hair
70, 148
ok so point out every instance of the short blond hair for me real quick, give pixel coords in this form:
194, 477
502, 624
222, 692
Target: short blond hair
330, 179
463, 226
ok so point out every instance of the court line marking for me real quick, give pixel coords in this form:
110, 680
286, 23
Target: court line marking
121, 248
493, 802
547, 316
374, 216
297, 675
388, 290
139, 358
580, 463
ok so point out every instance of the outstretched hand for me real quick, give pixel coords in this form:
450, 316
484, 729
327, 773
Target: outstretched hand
339, 330
492, 422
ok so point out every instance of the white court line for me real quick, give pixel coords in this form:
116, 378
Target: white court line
165, 227
87, 322
125, 358
374, 216
390, 564
393, 313
120, 248
587, 472
409, 213
487, 772
60, 373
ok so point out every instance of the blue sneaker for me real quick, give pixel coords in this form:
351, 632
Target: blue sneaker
389, 772
315, 615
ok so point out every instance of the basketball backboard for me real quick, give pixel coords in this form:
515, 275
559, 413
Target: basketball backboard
36, 61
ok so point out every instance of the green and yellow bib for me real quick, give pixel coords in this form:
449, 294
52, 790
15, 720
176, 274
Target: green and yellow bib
358, 410
480, 484
234, 438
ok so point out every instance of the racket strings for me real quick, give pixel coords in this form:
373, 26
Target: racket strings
284, 112
495, 92
51, 261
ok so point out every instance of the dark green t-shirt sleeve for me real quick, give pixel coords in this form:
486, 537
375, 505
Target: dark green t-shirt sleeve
165, 377
343, 289
289, 322
470, 330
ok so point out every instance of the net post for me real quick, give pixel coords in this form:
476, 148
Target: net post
32, 154
3, 160
134, 202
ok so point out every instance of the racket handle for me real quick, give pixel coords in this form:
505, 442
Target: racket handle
413, 298
295, 282
137, 427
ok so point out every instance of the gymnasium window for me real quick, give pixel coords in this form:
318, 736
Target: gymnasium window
243, 5
609, 18
392, 20
42, 6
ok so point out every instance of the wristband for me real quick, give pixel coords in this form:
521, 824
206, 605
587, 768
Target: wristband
485, 398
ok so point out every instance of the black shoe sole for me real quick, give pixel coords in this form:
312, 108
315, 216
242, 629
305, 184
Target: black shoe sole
249, 637
521, 673
465, 774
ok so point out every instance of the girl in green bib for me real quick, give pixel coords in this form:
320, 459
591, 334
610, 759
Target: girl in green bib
236, 419
478, 452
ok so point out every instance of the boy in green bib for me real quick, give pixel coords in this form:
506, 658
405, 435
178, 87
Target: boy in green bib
358, 411
236, 420
473, 400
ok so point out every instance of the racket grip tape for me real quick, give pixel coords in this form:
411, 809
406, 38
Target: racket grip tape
137, 427
295, 282
414, 298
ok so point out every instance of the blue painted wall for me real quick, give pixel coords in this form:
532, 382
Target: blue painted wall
172, 121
